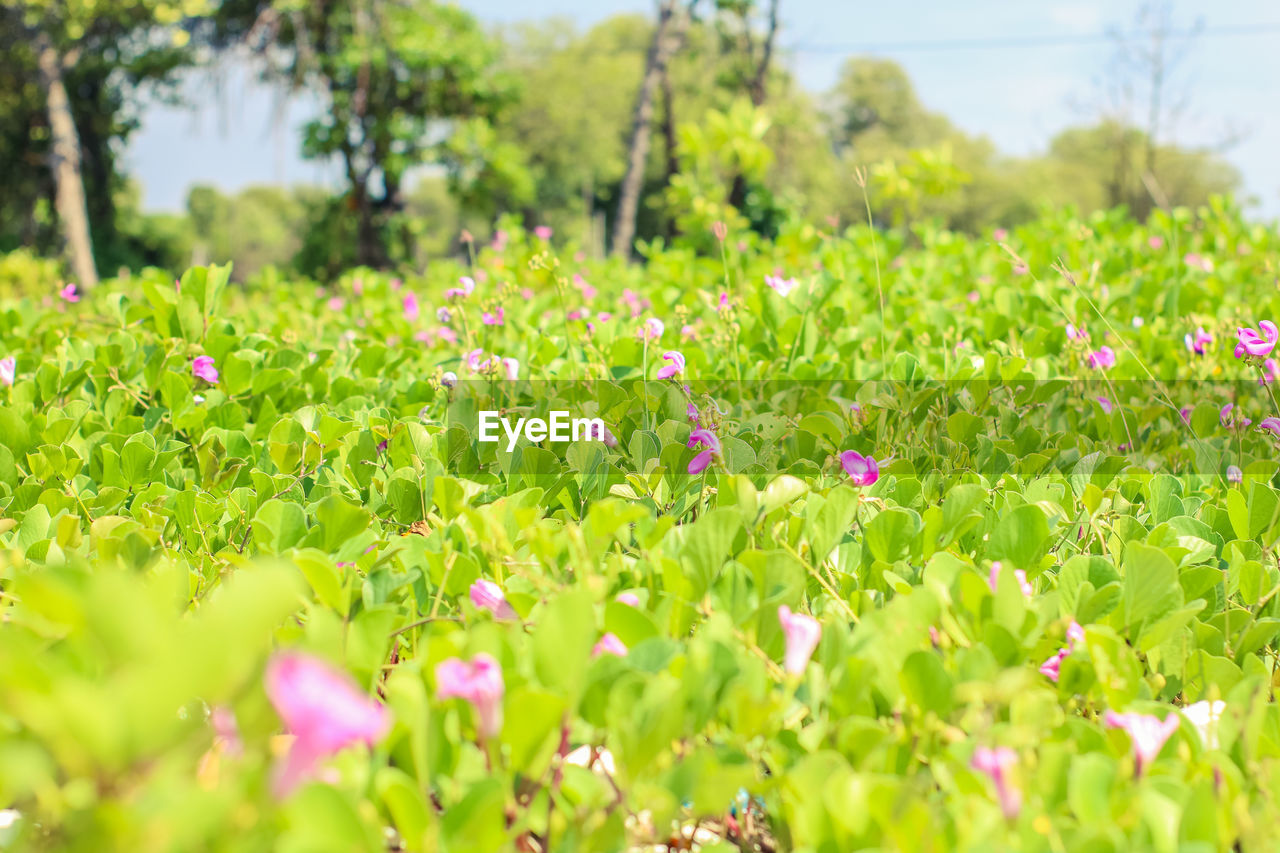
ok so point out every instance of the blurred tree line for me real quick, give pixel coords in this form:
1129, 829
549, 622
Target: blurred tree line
637, 130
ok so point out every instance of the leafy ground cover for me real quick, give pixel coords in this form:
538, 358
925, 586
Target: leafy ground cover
888, 540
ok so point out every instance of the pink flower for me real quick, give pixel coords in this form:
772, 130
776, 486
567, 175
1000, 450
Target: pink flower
1259, 345
396, 284
609, 644
996, 763
720, 230
1155, 242
724, 300
629, 598
202, 368
1228, 420
1105, 404
8, 370
651, 329
336, 303
1200, 343
708, 438
784, 286
357, 286
492, 318
802, 634
323, 709
676, 366
499, 240
1075, 634
478, 682
225, 729
1192, 259
1270, 372
1103, 358
993, 579
69, 294
1050, 667
473, 361
1000, 235
542, 232
1273, 424
600, 432
487, 595
1147, 732
512, 366
1075, 333
863, 470
468, 285
410, 303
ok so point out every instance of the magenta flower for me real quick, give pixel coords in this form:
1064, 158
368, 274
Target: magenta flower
1185, 414
600, 432
676, 366
993, 579
1234, 474
1273, 424
8, 370
724, 300
323, 709
473, 361
784, 286
1050, 667
1227, 419
493, 318
487, 595
1101, 359
863, 470
629, 598
1075, 634
69, 293
1255, 344
609, 644
1105, 403
1200, 343
707, 438
478, 682
996, 763
1077, 333
512, 366
411, 310
802, 634
542, 232
1147, 732
202, 368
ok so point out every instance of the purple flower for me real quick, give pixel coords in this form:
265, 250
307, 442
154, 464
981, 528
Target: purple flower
202, 368
468, 285
1077, 333
599, 432
323, 709
629, 598
487, 595
1234, 474
651, 329
1185, 413
675, 368
609, 644
479, 682
1147, 732
1272, 423
444, 315
1259, 345
448, 379
707, 438
1200, 343
1103, 358
1105, 404
996, 763
1228, 420
802, 634
863, 470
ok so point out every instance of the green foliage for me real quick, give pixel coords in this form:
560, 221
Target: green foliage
161, 535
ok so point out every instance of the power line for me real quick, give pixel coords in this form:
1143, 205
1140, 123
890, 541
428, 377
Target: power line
1035, 41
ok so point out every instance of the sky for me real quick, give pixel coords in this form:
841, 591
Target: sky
1012, 70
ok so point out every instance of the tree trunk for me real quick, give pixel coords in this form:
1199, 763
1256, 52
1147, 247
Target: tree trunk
624, 229
669, 140
65, 164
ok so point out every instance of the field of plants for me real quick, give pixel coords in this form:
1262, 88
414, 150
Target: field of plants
892, 540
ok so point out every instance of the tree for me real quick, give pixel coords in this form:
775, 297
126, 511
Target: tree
398, 77
666, 36
99, 46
